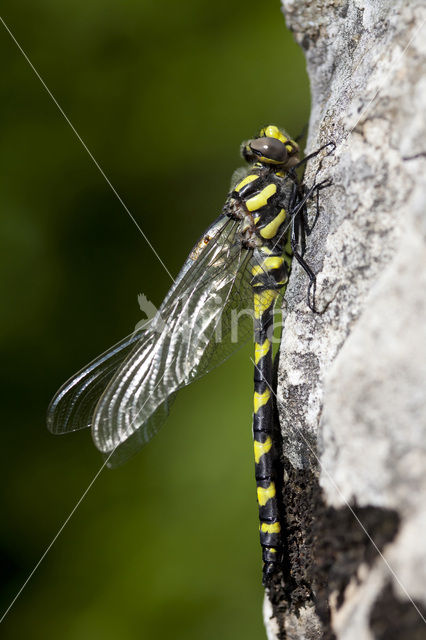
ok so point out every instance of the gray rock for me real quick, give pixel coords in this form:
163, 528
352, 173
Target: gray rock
351, 386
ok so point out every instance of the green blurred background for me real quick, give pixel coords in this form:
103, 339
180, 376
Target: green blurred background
162, 93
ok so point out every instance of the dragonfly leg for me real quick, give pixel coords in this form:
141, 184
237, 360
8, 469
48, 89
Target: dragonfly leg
299, 231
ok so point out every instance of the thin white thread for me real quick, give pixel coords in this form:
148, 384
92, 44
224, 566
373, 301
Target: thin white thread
347, 504
51, 544
84, 145
72, 512
168, 272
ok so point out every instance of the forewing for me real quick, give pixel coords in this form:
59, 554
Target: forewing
182, 346
73, 405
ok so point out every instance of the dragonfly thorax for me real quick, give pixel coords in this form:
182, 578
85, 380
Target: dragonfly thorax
259, 201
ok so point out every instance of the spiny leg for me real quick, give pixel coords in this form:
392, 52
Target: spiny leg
299, 231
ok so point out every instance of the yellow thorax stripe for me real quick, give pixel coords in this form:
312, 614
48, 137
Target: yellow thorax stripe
263, 495
261, 399
260, 448
271, 229
262, 301
261, 350
270, 528
246, 180
261, 198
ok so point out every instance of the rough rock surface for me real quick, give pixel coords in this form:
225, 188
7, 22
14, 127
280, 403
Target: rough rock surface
351, 382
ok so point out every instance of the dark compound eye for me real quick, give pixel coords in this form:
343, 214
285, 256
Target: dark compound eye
269, 149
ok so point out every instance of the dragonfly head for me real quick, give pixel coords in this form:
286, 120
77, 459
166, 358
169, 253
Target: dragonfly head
271, 147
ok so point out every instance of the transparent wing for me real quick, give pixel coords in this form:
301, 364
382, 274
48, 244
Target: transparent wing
195, 329
73, 405
140, 437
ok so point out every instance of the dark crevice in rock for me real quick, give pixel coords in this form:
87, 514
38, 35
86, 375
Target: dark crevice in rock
395, 619
323, 548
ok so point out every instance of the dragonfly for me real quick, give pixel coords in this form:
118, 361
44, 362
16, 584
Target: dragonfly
241, 262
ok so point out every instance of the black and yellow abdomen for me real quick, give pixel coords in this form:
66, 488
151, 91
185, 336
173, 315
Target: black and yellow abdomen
266, 286
260, 201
